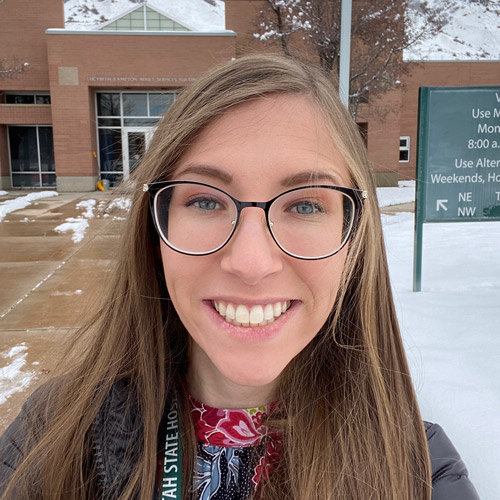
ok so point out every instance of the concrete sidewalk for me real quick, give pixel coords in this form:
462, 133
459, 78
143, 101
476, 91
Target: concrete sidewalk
48, 283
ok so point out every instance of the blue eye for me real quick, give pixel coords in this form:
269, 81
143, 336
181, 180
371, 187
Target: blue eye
205, 204
306, 207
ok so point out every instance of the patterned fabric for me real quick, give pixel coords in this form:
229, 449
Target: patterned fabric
235, 450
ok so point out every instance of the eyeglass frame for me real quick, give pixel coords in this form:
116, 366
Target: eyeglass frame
356, 195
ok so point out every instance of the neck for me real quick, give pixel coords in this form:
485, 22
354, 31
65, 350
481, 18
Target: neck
206, 384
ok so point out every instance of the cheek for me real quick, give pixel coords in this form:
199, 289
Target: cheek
177, 272
323, 278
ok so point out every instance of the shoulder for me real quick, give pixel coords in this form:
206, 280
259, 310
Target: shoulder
22, 431
450, 478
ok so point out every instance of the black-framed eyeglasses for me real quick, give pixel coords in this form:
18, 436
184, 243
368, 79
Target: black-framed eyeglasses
310, 222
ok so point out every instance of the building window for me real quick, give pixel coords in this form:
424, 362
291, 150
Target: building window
125, 119
31, 151
144, 19
27, 98
404, 148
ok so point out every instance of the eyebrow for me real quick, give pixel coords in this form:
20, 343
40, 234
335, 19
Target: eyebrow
207, 170
296, 179
309, 177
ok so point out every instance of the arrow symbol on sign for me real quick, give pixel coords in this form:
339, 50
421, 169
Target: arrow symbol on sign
441, 204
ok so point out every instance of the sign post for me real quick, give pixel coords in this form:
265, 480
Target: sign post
458, 160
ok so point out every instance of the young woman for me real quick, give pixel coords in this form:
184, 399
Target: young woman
248, 347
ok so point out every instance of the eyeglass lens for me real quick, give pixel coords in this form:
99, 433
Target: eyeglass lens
307, 222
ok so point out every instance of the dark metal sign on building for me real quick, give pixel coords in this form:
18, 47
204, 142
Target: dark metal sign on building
458, 164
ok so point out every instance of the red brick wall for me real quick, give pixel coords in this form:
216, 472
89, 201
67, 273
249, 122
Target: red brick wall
22, 35
382, 116
25, 114
242, 16
124, 62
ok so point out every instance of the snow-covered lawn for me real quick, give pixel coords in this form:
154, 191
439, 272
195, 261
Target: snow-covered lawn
394, 196
451, 332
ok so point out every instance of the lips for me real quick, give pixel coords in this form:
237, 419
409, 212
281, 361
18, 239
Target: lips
256, 315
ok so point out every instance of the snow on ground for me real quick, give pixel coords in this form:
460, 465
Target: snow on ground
472, 32
80, 224
76, 224
2, 193
13, 377
451, 333
198, 15
88, 206
21, 202
392, 196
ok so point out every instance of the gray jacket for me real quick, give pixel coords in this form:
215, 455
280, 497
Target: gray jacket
115, 426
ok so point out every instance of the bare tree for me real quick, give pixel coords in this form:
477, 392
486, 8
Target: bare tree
381, 31
11, 67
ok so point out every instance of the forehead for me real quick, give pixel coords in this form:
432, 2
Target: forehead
280, 139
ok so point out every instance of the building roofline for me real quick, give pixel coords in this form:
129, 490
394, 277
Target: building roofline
60, 31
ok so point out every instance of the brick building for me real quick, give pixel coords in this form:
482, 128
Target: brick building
89, 100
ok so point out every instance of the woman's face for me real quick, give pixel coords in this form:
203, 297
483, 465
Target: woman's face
254, 152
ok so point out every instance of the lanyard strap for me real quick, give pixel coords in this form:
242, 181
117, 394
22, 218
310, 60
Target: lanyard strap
172, 460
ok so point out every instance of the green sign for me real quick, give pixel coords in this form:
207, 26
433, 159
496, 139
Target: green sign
458, 168
458, 163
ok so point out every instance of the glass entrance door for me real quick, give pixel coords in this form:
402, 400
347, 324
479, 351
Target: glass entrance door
135, 144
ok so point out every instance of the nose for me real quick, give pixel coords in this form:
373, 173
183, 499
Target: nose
252, 255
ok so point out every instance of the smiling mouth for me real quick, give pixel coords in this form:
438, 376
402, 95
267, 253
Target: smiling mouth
258, 315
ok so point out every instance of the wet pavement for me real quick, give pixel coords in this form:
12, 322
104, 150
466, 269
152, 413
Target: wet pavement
48, 284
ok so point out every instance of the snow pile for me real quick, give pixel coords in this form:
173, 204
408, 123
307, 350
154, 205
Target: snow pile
21, 202
89, 206
395, 196
197, 15
450, 331
472, 32
78, 224
3, 193
12, 377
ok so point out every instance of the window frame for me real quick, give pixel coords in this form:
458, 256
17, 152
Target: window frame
404, 148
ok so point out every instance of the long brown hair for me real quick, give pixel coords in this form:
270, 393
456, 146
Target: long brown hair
352, 428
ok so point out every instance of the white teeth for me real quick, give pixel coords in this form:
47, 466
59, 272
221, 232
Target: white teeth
230, 312
258, 315
277, 309
268, 312
242, 315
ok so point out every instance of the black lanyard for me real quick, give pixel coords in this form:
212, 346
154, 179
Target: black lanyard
171, 486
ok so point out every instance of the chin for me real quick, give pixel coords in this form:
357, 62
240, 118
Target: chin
251, 377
